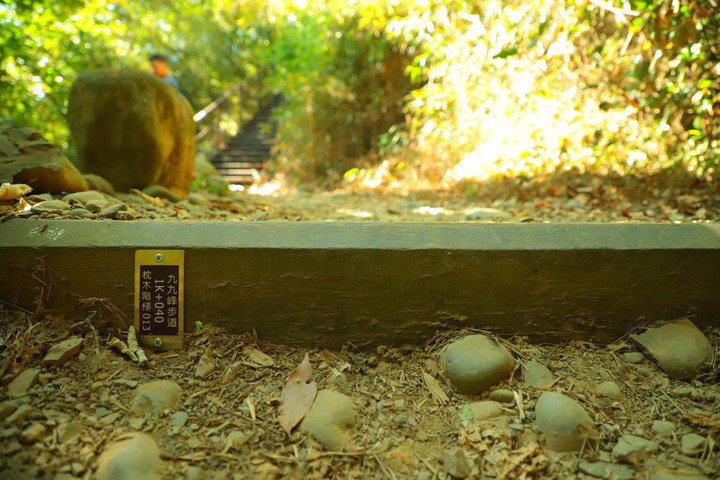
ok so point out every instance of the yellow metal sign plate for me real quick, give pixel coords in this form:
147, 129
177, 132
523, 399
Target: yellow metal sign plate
160, 298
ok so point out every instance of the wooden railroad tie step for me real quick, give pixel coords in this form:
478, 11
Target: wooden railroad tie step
368, 283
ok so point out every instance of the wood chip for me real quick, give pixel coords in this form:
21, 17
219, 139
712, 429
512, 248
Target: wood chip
435, 390
158, 202
257, 357
704, 419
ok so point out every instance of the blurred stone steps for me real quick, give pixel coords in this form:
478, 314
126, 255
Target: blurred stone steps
245, 155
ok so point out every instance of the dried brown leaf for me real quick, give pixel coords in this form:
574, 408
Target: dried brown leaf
704, 419
297, 396
256, 356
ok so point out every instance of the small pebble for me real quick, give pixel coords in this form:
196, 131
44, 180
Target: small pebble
682, 391
502, 396
476, 363
485, 410
162, 192
455, 463
179, 419
95, 206
33, 434
136, 423
536, 375
692, 444
634, 357
51, 206
193, 473
124, 215
610, 390
80, 213
565, 424
663, 428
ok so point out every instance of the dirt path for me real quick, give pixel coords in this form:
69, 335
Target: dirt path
410, 420
225, 425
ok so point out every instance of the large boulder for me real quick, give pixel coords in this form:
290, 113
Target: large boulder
27, 157
133, 129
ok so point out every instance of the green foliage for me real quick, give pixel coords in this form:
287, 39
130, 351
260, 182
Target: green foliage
529, 87
465, 414
344, 83
668, 68
45, 44
438, 90
210, 184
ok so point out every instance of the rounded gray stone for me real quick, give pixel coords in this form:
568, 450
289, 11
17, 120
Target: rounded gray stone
133, 456
160, 191
485, 410
678, 348
663, 428
611, 390
476, 363
487, 214
331, 419
197, 199
563, 422
502, 396
154, 397
51, 206
95, 206
536, 375
179, 419
80, 213
84, 197
692, 444
634, 357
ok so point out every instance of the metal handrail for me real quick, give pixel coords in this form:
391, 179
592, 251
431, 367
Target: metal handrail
215, 104
215, 107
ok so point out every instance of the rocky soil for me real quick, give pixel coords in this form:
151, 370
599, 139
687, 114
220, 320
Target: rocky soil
210, 411
574, 199
464, 405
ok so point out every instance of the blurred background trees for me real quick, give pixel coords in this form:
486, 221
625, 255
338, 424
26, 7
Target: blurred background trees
432, 91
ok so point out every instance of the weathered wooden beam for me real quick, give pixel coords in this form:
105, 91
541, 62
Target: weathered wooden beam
384, 283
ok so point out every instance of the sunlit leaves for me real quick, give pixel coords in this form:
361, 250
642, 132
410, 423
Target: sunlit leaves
46, 43
508, 52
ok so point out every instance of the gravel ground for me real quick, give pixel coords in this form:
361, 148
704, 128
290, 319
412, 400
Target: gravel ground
75, 417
